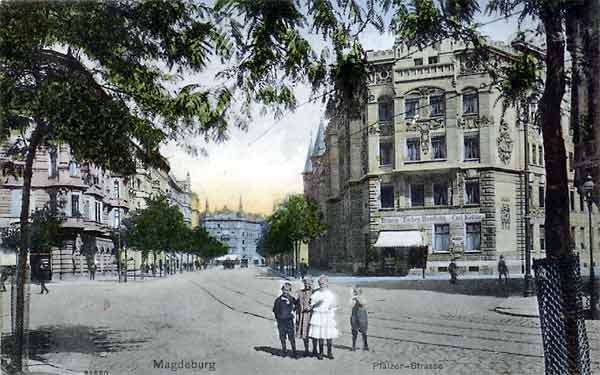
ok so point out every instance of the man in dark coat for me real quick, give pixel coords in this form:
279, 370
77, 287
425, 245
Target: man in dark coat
502, 269
284, 308
43, 276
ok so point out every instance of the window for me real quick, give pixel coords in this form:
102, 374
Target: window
581, 205
441, 240
98, 212
541, 196
440, 194
73, 170
582, 237
571, 162
411, 107
472, 192
15, 202
116, 189
438, 147
433, 60
473, 242
472, 146
75, 212
386, 153
573, 239
387, 196
413, 149
52, 162
572, 199
418, 61
417, 195
541, 155
436, 105
542, 238
533, 154
471, 103
386, 109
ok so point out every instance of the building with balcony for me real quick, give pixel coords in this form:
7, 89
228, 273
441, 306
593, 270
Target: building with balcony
94, 202
431, 164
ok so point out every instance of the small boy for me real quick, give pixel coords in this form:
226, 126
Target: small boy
284, 308
359, 320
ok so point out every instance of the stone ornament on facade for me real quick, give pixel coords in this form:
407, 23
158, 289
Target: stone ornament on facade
473, 122
505, 143
424, 127
380, 74
505, 216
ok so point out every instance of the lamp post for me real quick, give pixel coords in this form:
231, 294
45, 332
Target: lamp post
588, 189
527, 290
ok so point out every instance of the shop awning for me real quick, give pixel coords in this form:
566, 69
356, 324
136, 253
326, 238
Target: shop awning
409, 238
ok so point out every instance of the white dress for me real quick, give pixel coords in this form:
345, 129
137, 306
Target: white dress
322, 321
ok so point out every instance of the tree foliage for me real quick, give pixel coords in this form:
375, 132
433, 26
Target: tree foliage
160, 227
296, 221
44, 230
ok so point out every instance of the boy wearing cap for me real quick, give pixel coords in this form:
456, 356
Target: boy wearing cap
284, 308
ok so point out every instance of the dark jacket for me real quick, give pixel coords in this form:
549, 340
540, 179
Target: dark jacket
284, 307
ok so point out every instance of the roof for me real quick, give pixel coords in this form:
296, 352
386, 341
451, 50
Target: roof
319, 147
408, 238
308, 163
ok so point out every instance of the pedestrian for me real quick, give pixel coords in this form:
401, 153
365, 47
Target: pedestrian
43, 276
3, 278
304, 314
93, 271
502, 269
452, 269
322, 321
284, 308
359, 321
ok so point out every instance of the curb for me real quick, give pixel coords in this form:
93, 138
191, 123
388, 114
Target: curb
502, 311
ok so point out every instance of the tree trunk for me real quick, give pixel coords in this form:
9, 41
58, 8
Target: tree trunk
557, 193
557, 221
35, 140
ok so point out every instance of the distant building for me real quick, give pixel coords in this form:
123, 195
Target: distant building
238, 230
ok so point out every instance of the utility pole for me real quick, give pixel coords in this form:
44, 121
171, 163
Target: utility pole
527, 291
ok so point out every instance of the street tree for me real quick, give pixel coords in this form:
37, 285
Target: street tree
157, 228
297, 221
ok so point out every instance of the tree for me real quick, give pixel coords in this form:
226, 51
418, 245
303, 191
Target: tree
100, 76
420, 21
296, 221
158, 227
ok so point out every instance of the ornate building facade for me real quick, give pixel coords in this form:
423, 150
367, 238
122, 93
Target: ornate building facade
94, 202
431, 162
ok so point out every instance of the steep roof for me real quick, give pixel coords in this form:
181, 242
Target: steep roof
308, 163
319, 147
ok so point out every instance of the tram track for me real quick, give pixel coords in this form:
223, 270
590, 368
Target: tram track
408, 320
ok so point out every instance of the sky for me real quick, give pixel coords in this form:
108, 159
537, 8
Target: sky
263, 164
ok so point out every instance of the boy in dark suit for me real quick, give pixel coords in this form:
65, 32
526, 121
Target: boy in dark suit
284, 308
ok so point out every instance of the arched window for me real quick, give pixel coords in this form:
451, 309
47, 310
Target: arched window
411, 106
386, 108
470, 102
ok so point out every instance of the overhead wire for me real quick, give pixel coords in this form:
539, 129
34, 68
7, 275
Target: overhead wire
409, 54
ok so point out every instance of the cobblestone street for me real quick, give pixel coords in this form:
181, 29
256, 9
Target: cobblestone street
224, 316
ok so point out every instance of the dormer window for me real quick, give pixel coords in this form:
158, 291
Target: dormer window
418, 61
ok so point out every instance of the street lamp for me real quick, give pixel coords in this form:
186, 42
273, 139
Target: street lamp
588, 189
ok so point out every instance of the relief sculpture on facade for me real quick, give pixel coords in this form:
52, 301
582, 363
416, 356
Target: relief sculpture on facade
380, 74
423, 127
473, 122
505, 143
505, 216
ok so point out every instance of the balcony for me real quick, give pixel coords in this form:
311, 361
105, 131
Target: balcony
424, 72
